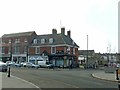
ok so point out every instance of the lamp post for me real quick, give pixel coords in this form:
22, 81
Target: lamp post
87, 54
10, 59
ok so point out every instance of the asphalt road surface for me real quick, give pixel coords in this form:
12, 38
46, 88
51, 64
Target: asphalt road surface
45, 78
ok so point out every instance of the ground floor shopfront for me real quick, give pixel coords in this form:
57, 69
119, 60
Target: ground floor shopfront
64, 60
36, 58
18, 58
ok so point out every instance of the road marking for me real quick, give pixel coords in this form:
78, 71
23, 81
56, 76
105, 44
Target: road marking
26, 81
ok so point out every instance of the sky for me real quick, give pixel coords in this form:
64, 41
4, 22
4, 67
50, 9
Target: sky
96, 18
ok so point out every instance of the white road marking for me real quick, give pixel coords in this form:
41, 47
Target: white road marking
25, 81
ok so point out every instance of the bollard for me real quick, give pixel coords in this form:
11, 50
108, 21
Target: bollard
118, 85
117, 78
9, 71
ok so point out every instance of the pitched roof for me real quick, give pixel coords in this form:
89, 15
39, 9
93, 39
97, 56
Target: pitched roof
18, 34
58, 39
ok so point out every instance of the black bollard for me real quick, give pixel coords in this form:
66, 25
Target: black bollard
118, 85
117, 78
9, 71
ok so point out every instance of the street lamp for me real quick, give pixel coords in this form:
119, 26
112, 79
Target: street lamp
10, 59
87, 54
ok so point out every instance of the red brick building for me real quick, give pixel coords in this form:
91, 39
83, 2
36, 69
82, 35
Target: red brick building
58, 48
14, 46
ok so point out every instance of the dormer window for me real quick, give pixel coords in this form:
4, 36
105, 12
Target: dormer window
42, 41
51, 40
35, 41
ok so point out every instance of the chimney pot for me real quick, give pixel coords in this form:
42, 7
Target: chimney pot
54, 31
69, 33
63, 30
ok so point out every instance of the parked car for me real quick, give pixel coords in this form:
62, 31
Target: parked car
18, 64
3, 67
10, 63
47, 66
35, 66
27, 64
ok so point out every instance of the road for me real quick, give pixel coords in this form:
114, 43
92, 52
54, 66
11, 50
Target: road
45, 78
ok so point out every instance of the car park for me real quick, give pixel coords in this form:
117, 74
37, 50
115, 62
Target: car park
3, 67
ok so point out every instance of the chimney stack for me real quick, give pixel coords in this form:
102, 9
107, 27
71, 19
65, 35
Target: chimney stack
69, 33
54, 31
63, 30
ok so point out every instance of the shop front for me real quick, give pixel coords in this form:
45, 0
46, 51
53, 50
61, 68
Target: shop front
59, 60
35, 58
18, 58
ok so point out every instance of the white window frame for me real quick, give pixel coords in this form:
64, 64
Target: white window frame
42, 41
3, 50
35, 41
37, 50
9, 50
52, 50
17, 49
50, 40
9, 40
17, 40
25, 40
73, 50
68, 49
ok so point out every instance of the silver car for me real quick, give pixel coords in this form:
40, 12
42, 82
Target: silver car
3, 67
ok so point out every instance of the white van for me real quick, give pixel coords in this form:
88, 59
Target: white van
44, 63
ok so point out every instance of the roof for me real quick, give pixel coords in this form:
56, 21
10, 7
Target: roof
19, 34
58, 39
84, 52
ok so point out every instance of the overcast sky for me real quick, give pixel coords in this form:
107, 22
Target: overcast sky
96, 18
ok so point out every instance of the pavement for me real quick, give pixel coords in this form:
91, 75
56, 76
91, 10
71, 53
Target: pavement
105, 76
15, 82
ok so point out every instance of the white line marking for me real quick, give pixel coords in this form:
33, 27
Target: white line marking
26, 81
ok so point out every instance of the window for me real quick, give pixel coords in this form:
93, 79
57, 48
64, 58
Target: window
17, 40
3, 50
37, 50
17, 49
9, 50
68, 50
42, 41
35, 41
25, 49
25, 40
73, 50
0, 50
9, 40
51, 40
53, 50
0, 41
3, 42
